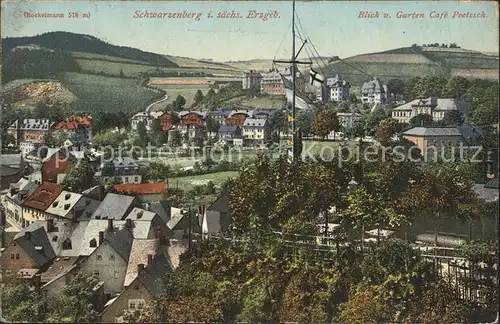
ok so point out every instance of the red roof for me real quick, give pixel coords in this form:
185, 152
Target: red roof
143, 188
73, 122
43, 196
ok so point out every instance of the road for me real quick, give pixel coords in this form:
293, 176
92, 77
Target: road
148, 108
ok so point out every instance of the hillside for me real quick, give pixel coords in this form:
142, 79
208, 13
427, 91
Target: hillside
407, 62
71, 42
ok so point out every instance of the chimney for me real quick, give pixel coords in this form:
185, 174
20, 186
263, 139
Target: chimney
28, 235
110, 225
38, 282
150, 259
2, 218
50, 225
128, 223
140, 267
101, 237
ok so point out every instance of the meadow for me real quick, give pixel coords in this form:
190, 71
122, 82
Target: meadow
99, 93
187, 91
275, 102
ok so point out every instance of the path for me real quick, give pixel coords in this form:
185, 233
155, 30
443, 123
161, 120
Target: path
148, 108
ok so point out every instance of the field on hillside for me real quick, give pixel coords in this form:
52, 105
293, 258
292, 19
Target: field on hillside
99, 93
187, 62
187, 91
258, 102
490, 74
391, 58
384, 71
259, 65
187, 183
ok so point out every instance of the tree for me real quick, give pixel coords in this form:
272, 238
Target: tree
143, 134
358, 128
156, 126
453, 118
77, 302
353, 98
212, 125
396, 86
180, 102
19, 303
156, 171
374, 119
122, 75
325, 121
457, 87
80, 176
386, 130
304, 121
175, 137
161, 138
198, 97
421, 120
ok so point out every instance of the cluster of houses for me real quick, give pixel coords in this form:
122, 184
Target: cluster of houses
334, 89
126, 241
30, 134
237, 127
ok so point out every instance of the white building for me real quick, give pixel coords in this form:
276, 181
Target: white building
256, 129
337, 89
435, 107
143, 117
374, 91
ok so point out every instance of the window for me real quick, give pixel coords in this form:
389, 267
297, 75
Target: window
116, 274
96, 272
12, 256
126, 179
93, 243
131, 303
136, 179
99, 257
112, 257
17, 256
140, 304
67, 244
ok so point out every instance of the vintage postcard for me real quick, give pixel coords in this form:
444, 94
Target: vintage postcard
249, 161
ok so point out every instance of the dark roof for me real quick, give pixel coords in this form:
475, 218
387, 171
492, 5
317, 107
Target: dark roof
121, 242
228, 128
471, 134
432, 131
24, 193
35, 242
493, 184
7, 171
221, 204
162, 209
43, 196
113, 206
152, 276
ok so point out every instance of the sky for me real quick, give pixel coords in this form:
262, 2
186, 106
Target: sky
333, 27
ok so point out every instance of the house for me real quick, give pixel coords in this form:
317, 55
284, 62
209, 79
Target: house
96, 192
168, 119
348, 119
193, 118
487, 192
27, 254
272, 82
78, 128
228, 132
216, 216
237, 117
256, 130
67, 205
251, 80
374, 91
29, 134
156, 227
438, 108
123, 168
114, 206
337, 89
109, 260
12, 170
55, 165
436, 139
146, 191
142, 290
263, 113
142, 250
141, 117
17, 195
34, 207
220, 116
178, 223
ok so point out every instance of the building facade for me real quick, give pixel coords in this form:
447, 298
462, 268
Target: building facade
437, 108
374, 91
256, 130
251, 80
29, 134
338, 90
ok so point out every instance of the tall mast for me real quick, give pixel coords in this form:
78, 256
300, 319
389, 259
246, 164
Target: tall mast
294, 130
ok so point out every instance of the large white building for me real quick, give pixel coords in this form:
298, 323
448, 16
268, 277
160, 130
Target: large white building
435, 107
337, 89
374, 91
256, 129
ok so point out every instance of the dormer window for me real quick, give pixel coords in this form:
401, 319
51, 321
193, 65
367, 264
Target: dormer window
54, 205
54, 238
67, 196
67, 244
66, 207
93, 243
139, 215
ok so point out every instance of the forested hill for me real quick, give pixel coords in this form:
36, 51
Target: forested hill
71, 42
